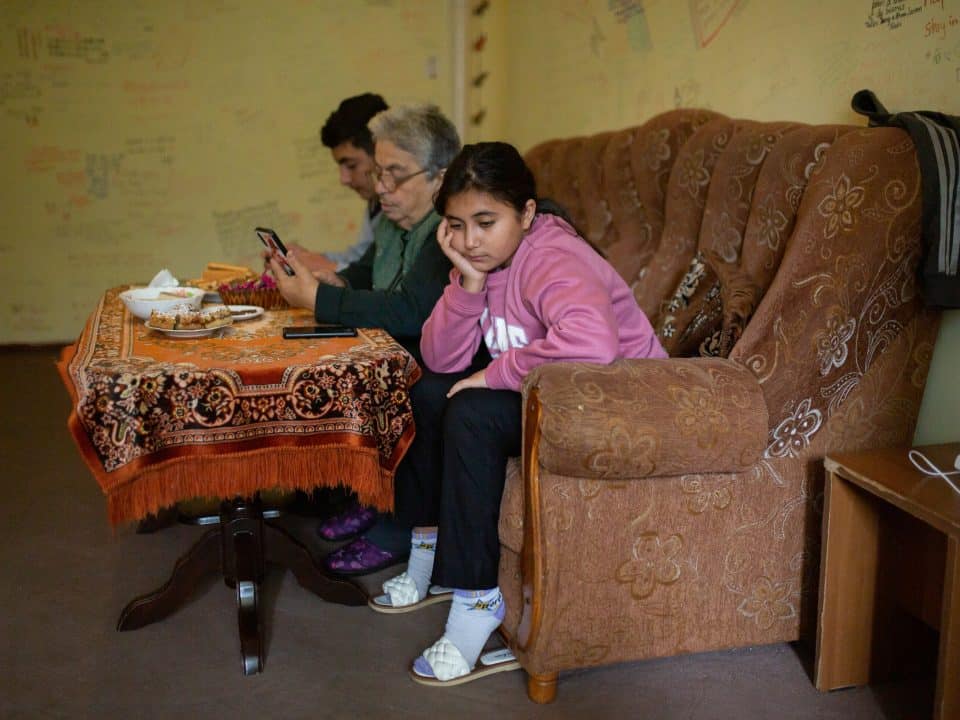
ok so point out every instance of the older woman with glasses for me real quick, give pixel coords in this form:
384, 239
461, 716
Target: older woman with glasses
399, 279
394, 285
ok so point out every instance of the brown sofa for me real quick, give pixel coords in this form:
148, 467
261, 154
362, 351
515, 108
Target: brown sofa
673, 506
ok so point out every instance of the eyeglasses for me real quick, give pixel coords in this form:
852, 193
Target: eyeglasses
390, 181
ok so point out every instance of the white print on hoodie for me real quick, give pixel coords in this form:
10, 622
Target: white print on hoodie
501, 336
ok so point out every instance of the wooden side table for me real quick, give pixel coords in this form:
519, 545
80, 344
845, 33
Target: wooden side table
861, 490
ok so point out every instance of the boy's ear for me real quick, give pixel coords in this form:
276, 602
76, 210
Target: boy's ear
529, 212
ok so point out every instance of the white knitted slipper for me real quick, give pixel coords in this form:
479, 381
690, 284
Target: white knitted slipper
401, 596
450, 667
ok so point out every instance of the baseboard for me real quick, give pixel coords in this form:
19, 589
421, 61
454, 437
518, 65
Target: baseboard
32, 347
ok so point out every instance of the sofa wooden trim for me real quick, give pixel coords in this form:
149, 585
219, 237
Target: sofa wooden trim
532, 612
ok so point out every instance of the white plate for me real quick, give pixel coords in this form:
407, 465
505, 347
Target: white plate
198, 333
244, 312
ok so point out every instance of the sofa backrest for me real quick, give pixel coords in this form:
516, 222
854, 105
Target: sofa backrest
614, 184
790, 248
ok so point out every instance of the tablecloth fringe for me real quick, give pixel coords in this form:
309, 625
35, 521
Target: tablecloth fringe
223, 476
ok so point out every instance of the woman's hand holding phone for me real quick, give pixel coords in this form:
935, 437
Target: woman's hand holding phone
299, 289
315, 262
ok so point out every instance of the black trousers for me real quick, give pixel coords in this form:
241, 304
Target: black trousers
453, 474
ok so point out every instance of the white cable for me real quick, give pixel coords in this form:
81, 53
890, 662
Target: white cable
931, 469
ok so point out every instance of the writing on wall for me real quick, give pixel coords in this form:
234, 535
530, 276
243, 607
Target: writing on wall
709, 17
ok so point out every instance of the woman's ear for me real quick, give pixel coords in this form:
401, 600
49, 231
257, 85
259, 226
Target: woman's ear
529, 212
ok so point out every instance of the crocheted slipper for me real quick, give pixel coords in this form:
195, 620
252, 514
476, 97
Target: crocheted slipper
401, 596
442, 665
361, 557
349, 524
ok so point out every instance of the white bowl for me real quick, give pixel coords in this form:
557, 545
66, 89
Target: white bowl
142, 301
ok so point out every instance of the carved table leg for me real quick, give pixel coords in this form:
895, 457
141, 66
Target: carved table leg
200, 561
241, 523
282, 548
239, 546
248, 611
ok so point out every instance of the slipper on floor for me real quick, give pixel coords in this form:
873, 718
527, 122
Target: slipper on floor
489, 663
349, 524
361, 557
436, 594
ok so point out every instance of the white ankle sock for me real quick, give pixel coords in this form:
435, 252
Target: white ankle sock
420, 566
473, 616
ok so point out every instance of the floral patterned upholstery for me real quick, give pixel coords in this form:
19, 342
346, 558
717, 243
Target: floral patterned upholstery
672, 506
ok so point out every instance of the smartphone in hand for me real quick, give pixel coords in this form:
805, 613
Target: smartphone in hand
272, 242
318, 331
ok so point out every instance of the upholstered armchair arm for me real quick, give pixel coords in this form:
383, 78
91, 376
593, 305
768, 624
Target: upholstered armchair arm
643, 418
633, 419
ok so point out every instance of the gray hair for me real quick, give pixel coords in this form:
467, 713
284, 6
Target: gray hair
421, 130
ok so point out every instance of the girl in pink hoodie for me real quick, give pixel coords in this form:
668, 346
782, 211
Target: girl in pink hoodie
525, 289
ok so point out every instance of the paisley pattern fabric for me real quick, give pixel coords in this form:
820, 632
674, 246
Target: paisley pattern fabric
144, 400
679, 500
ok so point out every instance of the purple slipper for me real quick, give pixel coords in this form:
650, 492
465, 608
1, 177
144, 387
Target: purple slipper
348, 524
360, 558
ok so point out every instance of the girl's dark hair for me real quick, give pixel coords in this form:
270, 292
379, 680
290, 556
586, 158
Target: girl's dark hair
497, 169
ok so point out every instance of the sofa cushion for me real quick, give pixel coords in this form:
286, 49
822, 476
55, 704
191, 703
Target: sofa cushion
686, 198
694, 311
693, 318
709, 310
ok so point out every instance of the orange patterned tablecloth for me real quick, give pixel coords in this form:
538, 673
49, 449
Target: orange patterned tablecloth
159, 420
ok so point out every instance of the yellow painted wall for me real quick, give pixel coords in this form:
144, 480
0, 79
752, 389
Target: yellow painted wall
149, 134
580, 66
583, 66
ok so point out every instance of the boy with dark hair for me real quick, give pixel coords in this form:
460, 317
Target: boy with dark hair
346, 134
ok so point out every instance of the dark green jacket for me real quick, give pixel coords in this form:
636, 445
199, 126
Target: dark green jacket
403, 307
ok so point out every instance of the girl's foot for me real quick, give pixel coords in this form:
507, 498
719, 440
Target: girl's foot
400, 596
473, 617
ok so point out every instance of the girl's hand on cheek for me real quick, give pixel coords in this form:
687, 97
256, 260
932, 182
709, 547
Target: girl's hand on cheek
473, 279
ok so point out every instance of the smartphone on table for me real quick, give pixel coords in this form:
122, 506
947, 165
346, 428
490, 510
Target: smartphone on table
272, 242
318, 331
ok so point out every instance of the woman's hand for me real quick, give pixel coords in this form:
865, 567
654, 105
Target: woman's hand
477, 380
328, 277
473, 279
299, 290
315, 262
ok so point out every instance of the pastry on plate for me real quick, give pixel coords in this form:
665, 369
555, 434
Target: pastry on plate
216, 316
190, 320
164, 320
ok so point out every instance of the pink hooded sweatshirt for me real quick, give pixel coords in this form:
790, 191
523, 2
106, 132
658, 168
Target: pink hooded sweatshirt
557, 300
